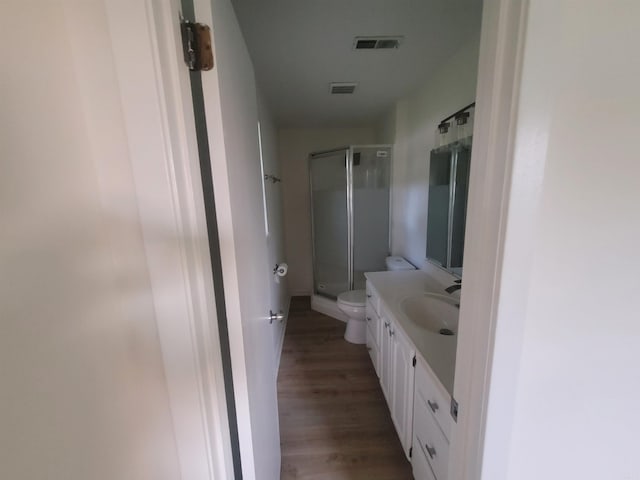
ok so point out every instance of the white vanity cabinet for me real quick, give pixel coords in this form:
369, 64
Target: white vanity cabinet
418, 401
397, 355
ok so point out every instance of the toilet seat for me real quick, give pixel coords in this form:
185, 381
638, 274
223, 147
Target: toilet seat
353, 298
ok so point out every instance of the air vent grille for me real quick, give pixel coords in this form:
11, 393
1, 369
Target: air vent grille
377, 43
342, 88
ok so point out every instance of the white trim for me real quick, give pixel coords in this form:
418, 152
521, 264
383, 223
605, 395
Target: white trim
328, 307
160, 127
491, 200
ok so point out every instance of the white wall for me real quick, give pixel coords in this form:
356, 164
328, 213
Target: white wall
295, 145
411, 127
574, 351
83, 386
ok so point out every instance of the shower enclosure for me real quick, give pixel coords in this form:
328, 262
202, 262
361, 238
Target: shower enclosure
349, 215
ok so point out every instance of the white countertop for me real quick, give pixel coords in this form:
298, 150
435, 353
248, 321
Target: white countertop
438, 350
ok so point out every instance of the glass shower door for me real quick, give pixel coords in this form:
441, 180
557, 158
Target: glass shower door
371, 174
330, 222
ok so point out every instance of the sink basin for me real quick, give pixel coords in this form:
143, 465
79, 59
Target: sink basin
433, 312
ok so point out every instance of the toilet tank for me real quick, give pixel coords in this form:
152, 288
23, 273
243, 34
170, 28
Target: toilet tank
398, 263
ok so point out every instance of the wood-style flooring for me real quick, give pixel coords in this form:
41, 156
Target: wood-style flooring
334, 421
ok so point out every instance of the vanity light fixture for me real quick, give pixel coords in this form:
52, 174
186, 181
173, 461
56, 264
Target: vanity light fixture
462, 118
463, 127
444, 127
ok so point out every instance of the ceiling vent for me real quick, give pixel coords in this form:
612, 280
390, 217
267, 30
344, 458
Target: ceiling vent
342, 88
377, 43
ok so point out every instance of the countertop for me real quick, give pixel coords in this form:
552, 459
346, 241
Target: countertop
438, 350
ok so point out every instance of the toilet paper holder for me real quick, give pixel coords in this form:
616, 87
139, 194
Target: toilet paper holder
280, 269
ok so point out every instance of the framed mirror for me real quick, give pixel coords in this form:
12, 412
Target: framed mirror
447, 208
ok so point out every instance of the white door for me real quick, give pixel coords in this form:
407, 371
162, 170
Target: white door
231, 108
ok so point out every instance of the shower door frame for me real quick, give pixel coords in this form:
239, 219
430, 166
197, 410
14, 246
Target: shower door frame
349, 150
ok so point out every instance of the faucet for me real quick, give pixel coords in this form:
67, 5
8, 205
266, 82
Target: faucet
456, 286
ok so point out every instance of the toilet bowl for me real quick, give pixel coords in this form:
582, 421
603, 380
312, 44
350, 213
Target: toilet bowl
352, 304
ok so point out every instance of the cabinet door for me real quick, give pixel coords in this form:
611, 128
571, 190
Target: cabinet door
373, 322
403, 380
386, 360
374, 352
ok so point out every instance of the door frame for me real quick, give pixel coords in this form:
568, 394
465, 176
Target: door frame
504, 194
164, 157
160, 127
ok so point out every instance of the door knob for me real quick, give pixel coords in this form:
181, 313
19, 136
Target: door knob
275, 316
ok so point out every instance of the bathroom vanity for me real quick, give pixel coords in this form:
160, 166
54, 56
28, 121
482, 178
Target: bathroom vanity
411, 338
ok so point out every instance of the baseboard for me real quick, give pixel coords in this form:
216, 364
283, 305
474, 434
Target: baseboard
328, 307
282, 334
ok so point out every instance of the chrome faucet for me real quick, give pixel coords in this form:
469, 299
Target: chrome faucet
456, 286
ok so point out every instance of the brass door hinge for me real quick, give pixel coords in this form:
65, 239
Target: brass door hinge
196, 45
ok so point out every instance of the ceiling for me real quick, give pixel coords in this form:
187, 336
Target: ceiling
298, 47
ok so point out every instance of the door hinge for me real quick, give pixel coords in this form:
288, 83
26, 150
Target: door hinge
414, 361
410, 452
196, 45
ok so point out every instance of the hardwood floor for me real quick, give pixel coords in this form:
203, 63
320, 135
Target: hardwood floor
334, 421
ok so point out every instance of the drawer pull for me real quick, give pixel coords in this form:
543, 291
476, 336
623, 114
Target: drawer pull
430, 450
368, 295
368, 319
391, 332
386, 324
433, 406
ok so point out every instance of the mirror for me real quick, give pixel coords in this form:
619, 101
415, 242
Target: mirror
447, 208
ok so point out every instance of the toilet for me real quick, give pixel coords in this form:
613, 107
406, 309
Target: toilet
353, 304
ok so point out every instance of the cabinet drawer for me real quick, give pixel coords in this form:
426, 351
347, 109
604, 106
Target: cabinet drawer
373, 297
433, 395
429, 439
420, 465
